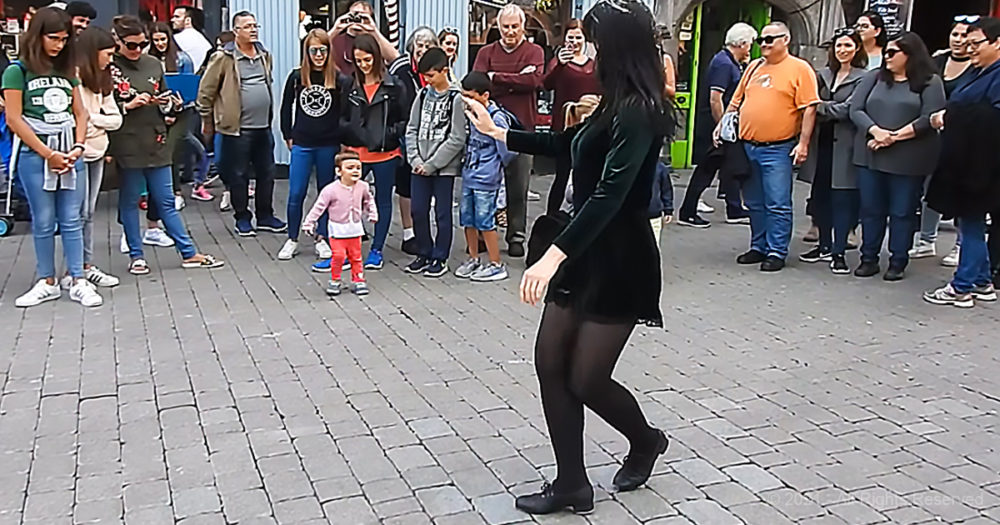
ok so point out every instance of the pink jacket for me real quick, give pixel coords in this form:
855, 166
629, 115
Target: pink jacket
345, 206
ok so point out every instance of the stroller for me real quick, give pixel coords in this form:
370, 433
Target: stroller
12, 196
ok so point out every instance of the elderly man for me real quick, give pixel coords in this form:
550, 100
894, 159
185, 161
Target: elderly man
516, 68
776, 101
359, 20
724, 72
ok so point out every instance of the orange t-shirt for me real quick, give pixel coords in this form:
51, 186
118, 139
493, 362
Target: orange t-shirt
776, 95
372, 157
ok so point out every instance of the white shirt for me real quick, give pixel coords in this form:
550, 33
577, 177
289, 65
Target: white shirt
194, 44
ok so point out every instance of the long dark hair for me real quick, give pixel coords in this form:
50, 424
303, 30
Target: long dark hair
89, 43
860, 59
629, 63
168, 57
47, 21
368, 44
878, 23
920, 66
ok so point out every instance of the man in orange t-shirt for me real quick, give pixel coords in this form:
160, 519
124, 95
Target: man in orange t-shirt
776, 101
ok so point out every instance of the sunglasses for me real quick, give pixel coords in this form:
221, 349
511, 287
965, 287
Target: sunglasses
319, 50
891, 53
864, 26
769, 39
967, 19
135, 46
845, 31
450, 31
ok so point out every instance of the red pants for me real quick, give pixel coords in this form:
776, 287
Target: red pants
349, 249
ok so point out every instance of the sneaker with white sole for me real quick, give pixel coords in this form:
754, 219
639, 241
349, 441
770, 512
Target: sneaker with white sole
951, 260
157, 237
124, 245
923, 249
288, 250
85, 293
467, 268
534, 196
323, 250
946, 295
179, 203
225, 203
489, 273
986, 293
703, 207
361, 289
99, 278
38, 294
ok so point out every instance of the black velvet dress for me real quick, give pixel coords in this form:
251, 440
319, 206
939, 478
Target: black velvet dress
612, 272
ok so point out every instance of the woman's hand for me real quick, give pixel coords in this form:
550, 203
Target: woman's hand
937, 120
479, 116
138, 101
879, 135
59, 162
536, 279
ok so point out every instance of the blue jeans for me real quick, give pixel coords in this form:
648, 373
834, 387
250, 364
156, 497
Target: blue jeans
385, 179
892, 199
50, 207
159, 182
768, 196
974, 259
441, 189
845, 204
478, 209
299, 171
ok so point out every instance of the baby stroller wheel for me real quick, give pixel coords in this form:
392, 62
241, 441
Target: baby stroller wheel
6, 225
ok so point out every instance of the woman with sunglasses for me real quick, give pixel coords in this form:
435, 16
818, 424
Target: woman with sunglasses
895, 149
830, 166
310, 124
955, 67
46, 114
140, 146
871, 27
570, 75
449, 41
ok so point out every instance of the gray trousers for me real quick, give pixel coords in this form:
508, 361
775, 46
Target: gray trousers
92, 185
516, 178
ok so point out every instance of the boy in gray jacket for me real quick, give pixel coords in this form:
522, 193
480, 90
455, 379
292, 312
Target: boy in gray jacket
435, 140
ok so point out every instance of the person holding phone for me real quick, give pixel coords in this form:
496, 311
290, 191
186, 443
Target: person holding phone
570, 75
359, 20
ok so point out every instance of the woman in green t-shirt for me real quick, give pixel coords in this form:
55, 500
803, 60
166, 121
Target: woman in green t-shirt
49, 121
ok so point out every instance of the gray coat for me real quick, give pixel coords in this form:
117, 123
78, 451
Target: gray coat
835, 106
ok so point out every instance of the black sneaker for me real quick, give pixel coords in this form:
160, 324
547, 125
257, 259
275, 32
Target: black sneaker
417, 266
638, 466
867, 269
694, 222
515, 249
894, 273
751, 257
816, 255
437, 268
548, 501
409, 247
772, 264
838, 265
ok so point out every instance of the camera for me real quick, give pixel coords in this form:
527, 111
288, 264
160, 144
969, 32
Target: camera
356, 18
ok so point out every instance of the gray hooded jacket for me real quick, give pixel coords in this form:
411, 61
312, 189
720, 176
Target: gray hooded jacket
436, 132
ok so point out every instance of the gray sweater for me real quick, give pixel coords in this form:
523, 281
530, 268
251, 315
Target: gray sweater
892, 107
436, 132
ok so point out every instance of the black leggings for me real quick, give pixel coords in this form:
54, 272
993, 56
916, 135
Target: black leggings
574, 359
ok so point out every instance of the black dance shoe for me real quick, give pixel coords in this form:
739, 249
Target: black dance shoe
638, 466
548, 501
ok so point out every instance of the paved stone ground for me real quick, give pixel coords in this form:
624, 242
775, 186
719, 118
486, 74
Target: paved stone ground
244, 395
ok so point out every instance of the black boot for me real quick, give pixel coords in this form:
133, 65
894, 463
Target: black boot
638, 466
580, 501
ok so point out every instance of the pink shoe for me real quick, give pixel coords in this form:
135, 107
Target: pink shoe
201, 194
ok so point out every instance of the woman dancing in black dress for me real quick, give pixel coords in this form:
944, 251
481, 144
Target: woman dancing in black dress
602, 274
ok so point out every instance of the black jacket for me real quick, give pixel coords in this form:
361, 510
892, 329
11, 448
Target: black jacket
379, 125
402, 69
967, 179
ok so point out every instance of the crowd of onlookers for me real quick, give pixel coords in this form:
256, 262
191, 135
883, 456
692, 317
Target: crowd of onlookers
171, 109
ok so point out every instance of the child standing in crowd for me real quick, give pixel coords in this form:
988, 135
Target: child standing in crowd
435, 138
482, 174
344, 201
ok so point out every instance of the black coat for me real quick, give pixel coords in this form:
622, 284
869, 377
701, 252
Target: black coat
967, 179
380, 124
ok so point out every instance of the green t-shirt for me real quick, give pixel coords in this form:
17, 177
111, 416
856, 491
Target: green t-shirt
48, 98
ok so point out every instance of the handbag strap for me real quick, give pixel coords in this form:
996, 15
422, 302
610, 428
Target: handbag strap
746, 82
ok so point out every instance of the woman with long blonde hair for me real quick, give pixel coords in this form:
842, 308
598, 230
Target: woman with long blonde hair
310, 125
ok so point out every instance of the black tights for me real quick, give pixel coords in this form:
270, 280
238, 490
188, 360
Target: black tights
574, 359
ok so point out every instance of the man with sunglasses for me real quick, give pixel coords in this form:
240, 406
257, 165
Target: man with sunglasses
776, 101
966, 184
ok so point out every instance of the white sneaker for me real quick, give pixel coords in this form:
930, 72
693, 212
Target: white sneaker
252, 188
179, 203
85, 293
288, 250
923, 249
323, 250
157, 237
124, 245
38, 294
225, 203
98, 278
66, 282
534, 196
703, 207
951, 260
